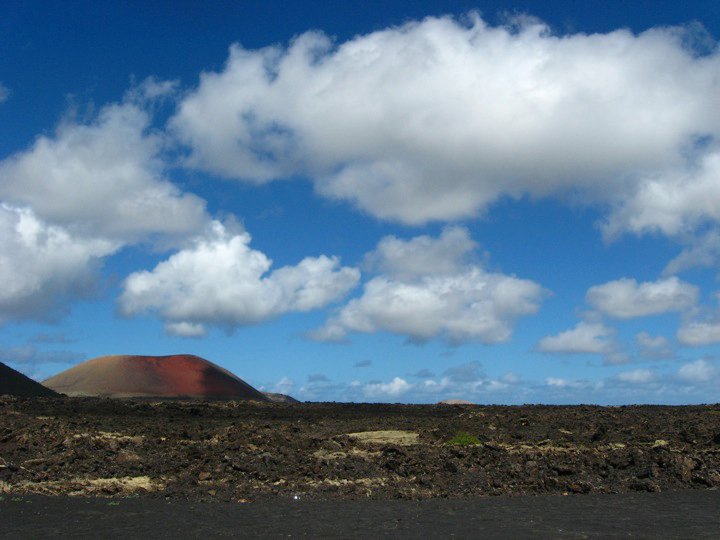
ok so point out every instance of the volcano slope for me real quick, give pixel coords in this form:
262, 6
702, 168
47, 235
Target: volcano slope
167, 377
248, 451
15, 383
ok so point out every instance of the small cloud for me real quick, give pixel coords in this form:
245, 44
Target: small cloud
638, 376
626, 298
362, 363
699, 333
329, 333
510, 378
393, 388
152, 89
283, 386
654, 347
702, 252
699, 371
317, 377
495, 386
422, 255
585, 338
4, 92
186, 329
558, 382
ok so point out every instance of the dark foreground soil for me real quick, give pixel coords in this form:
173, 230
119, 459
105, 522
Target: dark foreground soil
674, 514
243, 452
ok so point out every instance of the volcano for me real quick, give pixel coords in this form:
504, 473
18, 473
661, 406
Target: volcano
16, 384
181, 376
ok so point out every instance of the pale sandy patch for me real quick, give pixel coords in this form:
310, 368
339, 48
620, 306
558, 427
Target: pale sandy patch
337, 482
403, 438
327, 455
110, 436
86, 486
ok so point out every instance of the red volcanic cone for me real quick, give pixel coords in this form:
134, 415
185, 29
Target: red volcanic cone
16, 384
177, 376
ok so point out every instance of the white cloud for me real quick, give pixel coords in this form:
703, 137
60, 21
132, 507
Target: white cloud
672, 201
654, 347
104, 178
394, 388
646, 340
434, 120
185, 329
284, 386
626, 298
585, 338
699, 333
423, 255
637, 376
458, 302
220, 280
152, 89
703, 251
699, 371
695, 382
43, 266
555, 381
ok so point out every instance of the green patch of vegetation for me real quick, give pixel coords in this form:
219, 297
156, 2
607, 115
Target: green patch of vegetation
464, 439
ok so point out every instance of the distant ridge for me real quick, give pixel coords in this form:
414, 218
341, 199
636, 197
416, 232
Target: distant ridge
169, 377
15, 383
280, 398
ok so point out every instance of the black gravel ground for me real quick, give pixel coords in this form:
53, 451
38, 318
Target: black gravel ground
683, 514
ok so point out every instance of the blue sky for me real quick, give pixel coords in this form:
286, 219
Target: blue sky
506, 202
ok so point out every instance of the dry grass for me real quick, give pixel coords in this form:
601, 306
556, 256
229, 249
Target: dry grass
402, 438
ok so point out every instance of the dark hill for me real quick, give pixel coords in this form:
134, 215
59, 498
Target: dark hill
16, 384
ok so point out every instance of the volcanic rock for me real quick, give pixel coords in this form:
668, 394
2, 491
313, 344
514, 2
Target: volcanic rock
16, 384
181, 376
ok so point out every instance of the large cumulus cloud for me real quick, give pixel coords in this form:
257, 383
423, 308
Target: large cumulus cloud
434, 120
426, 288
42, 266
80, 194
104, 177
220, 280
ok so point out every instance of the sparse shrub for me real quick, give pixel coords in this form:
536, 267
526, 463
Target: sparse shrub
464, 439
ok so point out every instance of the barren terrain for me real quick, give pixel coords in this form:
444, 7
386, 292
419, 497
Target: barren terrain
249, 451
